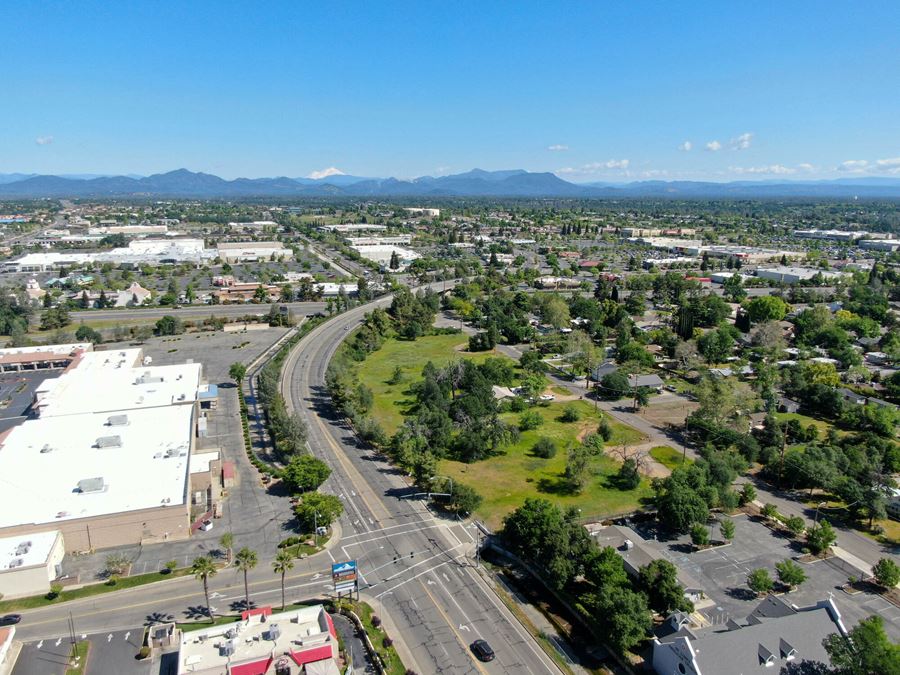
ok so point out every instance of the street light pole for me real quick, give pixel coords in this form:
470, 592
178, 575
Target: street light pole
818, 506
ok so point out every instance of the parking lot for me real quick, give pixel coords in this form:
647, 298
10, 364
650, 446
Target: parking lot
724, 571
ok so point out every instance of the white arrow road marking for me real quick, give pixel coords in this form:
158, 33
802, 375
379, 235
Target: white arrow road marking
431, 583
109, 638
316, 576
446, 578
215, 594
58, 640
464, 627
40, 644
127, 635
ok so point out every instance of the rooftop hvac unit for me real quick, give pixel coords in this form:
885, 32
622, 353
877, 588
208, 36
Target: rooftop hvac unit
86, 485
109, 442
46, 448
15, 562
227, 648
274, 632
23, 548
117, 420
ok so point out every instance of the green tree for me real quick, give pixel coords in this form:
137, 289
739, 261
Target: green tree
544, 448
760, 582
867, 650
318, 509
576, 472
748, 493
659, 580
614, 386
796, 525
169, 325
237, 371
726, 529
88, 334
887, 573
769, 511
628, 477
716, 345
767, 308
819, 537
226, 541
204, 569
305, 473
464, 499
790, 573
245, 560
622, 615
530, 419
283, 563
699, 535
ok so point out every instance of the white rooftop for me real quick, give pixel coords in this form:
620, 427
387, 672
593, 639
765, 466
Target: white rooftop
63, 350
26, 550
84, 465
116, 380
306, 633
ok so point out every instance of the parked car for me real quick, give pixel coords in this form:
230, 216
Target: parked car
206, 525
547, 397
10, 619
482, 650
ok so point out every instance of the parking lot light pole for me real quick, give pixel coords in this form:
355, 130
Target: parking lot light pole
818, 506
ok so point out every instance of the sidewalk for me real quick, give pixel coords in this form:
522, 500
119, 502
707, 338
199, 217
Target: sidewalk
396, 635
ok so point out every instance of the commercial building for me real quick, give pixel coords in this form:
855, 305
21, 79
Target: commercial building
255, 225
669, 262
747, 254
834, 235
353, 227
382, 254
138, 252
136, 230
46, 357
888, 245
431, 213
774, 636
793, 275
253, 251
640, 231
668, 244
394, 239
28, 564
263, 642
105, 457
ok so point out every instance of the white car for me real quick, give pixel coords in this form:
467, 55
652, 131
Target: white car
547, 397
206, 525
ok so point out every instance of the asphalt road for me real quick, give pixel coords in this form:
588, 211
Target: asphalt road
197, 312
416, 569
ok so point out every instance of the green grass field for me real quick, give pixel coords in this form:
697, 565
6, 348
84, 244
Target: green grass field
392, 400
504, 481
668, 457
805, 421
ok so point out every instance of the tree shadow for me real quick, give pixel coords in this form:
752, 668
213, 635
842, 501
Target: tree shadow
196, 612
556, 486
241, 606
158, 617
739, 593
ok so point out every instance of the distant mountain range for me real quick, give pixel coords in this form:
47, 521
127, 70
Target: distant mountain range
475, 183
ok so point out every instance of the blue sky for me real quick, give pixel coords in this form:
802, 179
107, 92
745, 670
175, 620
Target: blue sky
596, 90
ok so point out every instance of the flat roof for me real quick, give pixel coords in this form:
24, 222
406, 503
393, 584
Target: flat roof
116, 380
26, 550
306, 635
43, 461
200, 461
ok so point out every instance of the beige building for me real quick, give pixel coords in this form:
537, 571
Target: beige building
29, 563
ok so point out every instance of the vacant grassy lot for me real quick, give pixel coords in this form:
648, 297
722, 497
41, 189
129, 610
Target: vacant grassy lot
507, 479
668, 457
805, 421
392, 400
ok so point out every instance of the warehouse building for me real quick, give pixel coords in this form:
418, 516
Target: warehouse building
793, 275
382, 253
105, 456
29, 564
253, 251
138, 252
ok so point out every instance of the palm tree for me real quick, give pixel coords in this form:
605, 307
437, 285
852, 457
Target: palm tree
245, 560
203, 570
283, 563
227, 541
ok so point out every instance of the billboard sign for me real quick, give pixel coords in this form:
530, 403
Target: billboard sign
344, 572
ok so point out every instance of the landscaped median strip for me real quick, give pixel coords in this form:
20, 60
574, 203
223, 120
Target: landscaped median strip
100, 588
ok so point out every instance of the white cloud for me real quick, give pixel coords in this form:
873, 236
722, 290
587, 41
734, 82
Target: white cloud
806, 167
741, 142
891, 163
324, 173
854, 165
557, 148
610, 165
686, 146
44, 140
772, 169
714, 146
654, 173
